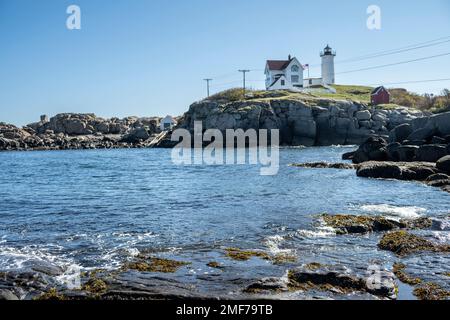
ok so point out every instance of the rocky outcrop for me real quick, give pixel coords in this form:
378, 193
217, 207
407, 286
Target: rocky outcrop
79, 131
419, 150
424, 139
301, 121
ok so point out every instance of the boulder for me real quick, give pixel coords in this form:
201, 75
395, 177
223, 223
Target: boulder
414, 142
437, 177
348, 155
406, 153
374, 148
339, 278
438, 140
392, 151
396, 170
363, 115
7, 295
400, 133
431, 153
422, 134
443, 164
136, 135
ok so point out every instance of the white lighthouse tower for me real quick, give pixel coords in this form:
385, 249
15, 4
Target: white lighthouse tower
328, 66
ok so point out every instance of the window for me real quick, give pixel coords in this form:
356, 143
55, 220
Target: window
310, 81
295, 79
294, 68
283, 83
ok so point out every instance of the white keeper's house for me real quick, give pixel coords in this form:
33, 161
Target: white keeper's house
288, 74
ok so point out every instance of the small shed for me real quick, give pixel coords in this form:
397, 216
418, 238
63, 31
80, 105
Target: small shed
380, 95
167, 123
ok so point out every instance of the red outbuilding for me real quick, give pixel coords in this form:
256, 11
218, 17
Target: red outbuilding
380, 96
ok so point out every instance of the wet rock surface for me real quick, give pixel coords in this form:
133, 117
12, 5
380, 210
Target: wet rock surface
340, 279
325, 165
403, 243
350, 224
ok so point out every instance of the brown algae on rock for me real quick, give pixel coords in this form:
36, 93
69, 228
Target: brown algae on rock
244, 255
95, 286
431, 291
215, 265
51, 295
403, 243
399, 271
345, 224
156, 265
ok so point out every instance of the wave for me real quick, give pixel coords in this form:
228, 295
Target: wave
402, 212
273, 244
320, 232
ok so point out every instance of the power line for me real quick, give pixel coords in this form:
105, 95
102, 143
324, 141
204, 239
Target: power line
395, 64
399, 50
378, 54
409, 82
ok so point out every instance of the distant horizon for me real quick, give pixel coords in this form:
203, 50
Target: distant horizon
149, 59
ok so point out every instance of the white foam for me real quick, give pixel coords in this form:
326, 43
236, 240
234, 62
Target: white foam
320, 232
273, 243
14, 258
406, 212
442, 237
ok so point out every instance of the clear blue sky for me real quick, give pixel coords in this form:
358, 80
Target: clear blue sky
148, 57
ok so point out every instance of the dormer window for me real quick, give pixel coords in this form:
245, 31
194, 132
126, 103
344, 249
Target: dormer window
294, 68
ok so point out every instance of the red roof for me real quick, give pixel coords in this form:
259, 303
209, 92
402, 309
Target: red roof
278, 64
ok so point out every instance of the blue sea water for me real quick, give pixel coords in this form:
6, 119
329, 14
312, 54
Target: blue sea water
99, 208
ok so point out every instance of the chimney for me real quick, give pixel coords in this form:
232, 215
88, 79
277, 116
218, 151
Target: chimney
289, 57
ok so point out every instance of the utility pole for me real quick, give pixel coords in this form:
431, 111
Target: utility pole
243, 73
207, 85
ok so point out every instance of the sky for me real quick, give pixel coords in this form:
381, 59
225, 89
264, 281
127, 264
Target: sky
149, 57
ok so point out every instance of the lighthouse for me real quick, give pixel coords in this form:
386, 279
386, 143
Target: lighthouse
328, 65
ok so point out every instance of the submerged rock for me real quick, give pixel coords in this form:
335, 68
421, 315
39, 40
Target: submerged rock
267, 285
354, 224
244, 255
151, 264
399, 271
431, 291
360, 224
325, 165
404, 243
339, 279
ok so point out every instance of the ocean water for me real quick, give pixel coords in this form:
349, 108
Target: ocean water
100, 208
